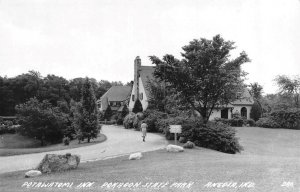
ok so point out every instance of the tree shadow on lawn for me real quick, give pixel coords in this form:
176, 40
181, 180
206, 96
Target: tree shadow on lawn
73, 144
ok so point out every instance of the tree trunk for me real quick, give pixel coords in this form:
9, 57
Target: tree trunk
42, 140
88, 139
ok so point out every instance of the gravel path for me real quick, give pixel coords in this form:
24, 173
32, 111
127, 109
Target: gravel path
119, 142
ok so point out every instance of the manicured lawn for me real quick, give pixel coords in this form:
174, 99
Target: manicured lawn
271, 157
14, 144
17, 141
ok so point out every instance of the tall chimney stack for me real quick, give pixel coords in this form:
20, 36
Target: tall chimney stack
137, 66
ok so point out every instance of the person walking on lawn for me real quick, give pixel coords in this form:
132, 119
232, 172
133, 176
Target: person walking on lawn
144, 130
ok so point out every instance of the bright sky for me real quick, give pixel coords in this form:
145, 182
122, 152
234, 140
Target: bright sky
101, 38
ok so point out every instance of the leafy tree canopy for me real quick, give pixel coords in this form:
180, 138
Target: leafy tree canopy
289, 86
41, 120
206, 76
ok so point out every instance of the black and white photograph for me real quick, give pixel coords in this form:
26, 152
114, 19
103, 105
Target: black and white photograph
150, 95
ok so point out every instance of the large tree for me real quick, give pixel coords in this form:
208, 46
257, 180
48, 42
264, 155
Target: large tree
163, 98
206, 76
89, 112
41, 120
290, 87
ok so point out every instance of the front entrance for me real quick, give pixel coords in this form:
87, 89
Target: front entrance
224, 113
244, 112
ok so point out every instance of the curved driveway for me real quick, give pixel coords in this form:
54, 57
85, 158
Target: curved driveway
119, 142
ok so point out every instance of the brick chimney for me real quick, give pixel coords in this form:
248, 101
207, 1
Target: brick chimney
137, 66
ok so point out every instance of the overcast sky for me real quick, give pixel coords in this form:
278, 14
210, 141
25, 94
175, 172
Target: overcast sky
101, 38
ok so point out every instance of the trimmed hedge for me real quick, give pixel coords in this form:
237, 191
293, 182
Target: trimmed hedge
267, 122
236, 121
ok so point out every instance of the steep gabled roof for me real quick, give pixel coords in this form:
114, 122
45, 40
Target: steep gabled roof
246, 99
146, 74
118, 93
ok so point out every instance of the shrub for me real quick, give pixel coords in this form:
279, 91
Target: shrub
41, 120
8, 123
120, 119
267, 122
107, 122
128, 120
189, 145
137, 121
66, 140
107, 113
250, 122
255, 112
212, 135
182, 140
164, 125
137, 107
289, 119
151, 118
222, 120
237, 121
8, 129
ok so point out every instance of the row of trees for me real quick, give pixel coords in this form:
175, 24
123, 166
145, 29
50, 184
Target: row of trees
17, 90
286, 98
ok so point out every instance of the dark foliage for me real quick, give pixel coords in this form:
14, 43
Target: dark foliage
256, 111
289, 119
41, 120
108, 113
88, 126
137, 107
212, 135
19, 89
235, 121
267, 122
129, 120
206, 76
66, 140
151, 118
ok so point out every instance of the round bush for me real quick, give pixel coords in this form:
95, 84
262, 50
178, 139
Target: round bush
152, 118
251, 122
212, 135
66, 140
128, 120
189, 145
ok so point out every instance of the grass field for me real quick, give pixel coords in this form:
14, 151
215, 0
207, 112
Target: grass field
270, 162
15, 144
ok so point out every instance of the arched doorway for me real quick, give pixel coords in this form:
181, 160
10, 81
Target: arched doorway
244, 112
